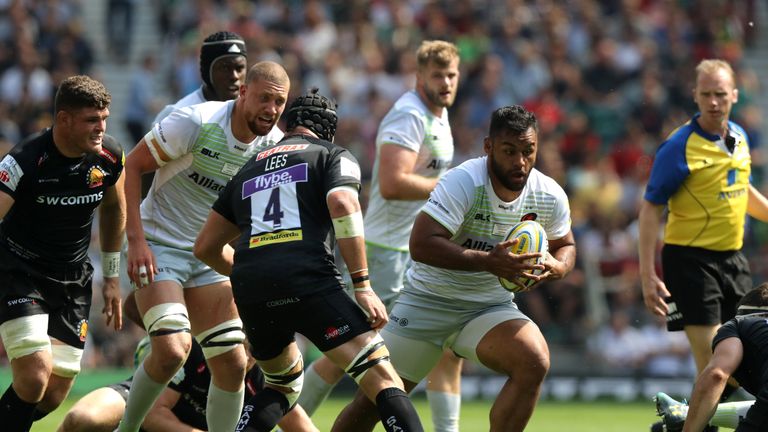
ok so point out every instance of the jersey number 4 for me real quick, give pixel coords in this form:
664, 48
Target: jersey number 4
272, 212
275, 209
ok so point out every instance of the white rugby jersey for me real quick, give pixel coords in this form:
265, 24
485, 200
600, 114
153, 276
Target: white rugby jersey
409, 124
464, 203
194, 98
205, 155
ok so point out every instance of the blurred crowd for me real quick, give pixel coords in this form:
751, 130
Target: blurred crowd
608, 80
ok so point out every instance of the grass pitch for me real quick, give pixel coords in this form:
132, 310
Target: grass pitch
548, 417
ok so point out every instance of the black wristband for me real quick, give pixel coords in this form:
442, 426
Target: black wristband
360, 279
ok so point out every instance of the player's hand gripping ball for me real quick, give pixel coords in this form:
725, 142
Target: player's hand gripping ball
533, 239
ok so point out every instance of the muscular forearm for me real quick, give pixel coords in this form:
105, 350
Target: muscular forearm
111, 226
440, 252
407, 187
133, 228
649, 221
353, 252
222, 262
566, 256
706, 395
757, 205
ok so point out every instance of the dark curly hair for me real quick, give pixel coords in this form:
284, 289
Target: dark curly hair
81, 91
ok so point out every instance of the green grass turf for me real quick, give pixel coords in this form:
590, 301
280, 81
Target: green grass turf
548, 417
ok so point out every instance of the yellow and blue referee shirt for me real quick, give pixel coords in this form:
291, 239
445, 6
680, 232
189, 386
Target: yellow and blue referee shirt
705, 186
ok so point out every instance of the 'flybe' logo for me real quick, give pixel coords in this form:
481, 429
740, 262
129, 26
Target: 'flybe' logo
70, 200
294, 174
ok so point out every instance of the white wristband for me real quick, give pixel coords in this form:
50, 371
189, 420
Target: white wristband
348, 226
110, 264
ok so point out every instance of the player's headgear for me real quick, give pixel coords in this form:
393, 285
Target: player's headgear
217, 46
315, 112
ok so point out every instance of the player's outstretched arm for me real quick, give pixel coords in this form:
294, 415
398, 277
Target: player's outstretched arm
111, 228
344, 209
397, 180
711, 382
138, 162
160, 417
212, 244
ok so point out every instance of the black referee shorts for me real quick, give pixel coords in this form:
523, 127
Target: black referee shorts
705, 285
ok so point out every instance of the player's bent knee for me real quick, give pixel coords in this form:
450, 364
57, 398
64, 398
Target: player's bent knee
221, 338
26, 335
66, 360
80, 420
373, 353
166, 318
291, 378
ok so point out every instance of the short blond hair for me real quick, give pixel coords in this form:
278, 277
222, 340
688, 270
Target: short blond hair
442, 53
268, 71
710, 66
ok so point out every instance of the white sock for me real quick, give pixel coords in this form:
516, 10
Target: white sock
223, 408
144, 392
314, 391
730, 413
445, 410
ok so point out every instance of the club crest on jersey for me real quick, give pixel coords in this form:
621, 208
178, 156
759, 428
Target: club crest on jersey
529, 217
95, 177
82, 329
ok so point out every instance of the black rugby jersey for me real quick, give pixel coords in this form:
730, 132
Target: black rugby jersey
752, 330
278, 201
192, 383
55, 197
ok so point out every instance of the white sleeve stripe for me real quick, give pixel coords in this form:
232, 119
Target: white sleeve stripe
347, 188
152, 145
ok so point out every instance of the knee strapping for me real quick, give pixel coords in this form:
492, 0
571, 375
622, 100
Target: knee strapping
66, 360
292, 377
166, 318
26, 335
369, 356
221, 338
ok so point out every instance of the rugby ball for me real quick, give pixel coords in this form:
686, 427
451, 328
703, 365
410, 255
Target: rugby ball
533, 239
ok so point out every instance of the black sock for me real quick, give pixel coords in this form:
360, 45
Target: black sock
262, 412
397, 412
15, 414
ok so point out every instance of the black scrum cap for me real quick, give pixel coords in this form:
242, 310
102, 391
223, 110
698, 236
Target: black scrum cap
217, 46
